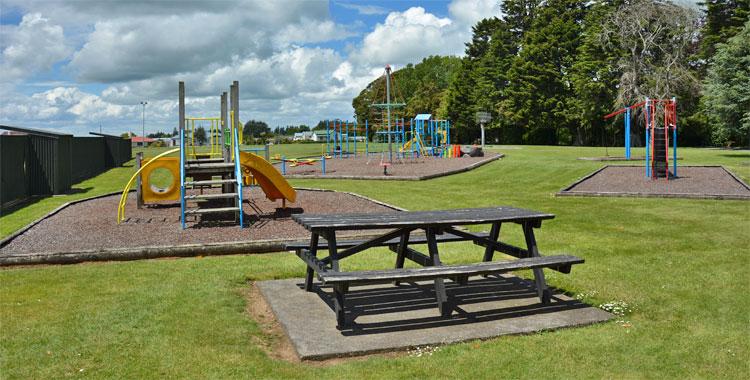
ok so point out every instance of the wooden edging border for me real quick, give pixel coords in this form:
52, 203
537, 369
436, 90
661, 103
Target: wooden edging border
565, 192
400, 178
153, 252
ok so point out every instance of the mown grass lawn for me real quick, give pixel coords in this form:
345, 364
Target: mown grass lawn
681, 266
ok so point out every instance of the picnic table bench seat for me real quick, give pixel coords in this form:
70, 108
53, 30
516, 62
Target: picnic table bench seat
563, 262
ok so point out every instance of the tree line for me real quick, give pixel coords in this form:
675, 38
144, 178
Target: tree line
548, 71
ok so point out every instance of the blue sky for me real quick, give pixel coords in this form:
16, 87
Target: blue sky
71, 65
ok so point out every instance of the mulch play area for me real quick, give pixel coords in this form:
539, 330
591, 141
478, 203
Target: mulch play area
371, 167
401, 317
704, 182
90, 226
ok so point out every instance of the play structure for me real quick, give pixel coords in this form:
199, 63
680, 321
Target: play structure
415, 137
657, 134
209, 179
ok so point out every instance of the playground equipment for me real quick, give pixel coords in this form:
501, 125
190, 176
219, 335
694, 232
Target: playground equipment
341, 135
657, 136
214, 137
231, 171
420, 136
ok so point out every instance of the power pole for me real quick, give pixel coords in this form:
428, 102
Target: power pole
143, 123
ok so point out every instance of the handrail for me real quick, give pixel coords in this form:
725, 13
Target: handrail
124, 196
182, 178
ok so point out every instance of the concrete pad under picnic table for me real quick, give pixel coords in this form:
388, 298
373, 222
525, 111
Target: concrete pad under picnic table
390, 317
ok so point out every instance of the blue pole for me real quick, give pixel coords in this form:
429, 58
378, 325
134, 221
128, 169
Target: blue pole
328, 137
448, 132
238, 175
347, 138
323, 164
283, 165
355, 137
627, 133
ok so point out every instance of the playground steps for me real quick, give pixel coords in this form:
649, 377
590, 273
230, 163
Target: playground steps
211, 196
216, 210
214, 168
209, 182
205, 160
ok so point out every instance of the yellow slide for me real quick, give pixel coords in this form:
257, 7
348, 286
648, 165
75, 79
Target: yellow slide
270, 180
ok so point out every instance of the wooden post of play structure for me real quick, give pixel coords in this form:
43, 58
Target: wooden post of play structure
138, 191
224, 149
234, 103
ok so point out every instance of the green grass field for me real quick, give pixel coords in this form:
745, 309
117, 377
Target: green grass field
680, 268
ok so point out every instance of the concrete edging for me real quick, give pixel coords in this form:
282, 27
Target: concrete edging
566, 192
152, 252
400, 178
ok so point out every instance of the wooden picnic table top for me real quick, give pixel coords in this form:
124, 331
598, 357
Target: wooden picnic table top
418, 219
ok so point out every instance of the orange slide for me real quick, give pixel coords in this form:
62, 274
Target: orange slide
270, 180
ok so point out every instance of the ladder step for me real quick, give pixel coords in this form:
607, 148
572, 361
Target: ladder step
211, 210
211, 196
210, 182
207, 165
204, 160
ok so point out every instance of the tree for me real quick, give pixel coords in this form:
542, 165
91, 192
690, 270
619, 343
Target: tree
654, 40
421, 86
726, 99
723, 20
540, 95
200, 135
255, 128
174, 132
595, 79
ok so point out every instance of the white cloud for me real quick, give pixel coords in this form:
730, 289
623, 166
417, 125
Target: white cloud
368, 10
469, 12
34, 46
407, 37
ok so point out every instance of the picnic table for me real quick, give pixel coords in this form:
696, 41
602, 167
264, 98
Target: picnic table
403, 232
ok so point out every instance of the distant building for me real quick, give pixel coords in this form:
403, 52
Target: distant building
141, 141
304, 136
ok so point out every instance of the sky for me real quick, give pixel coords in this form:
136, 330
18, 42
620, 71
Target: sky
75, 65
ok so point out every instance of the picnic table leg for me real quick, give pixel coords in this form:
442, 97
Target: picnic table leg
313, 252
489, 251
401, 251
442, 297
541, 285
340, 289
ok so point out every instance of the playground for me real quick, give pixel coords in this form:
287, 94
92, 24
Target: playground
372, 167
157, 228
703, 182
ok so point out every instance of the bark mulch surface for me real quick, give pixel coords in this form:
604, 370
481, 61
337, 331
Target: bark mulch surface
91, 225
713, 182
371, 168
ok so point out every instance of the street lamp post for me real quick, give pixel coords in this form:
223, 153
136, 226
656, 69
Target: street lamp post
143, 124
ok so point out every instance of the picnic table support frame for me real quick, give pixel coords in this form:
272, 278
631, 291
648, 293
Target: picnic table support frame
313, 252
541, 284
440, 294
401, 251
489, 251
